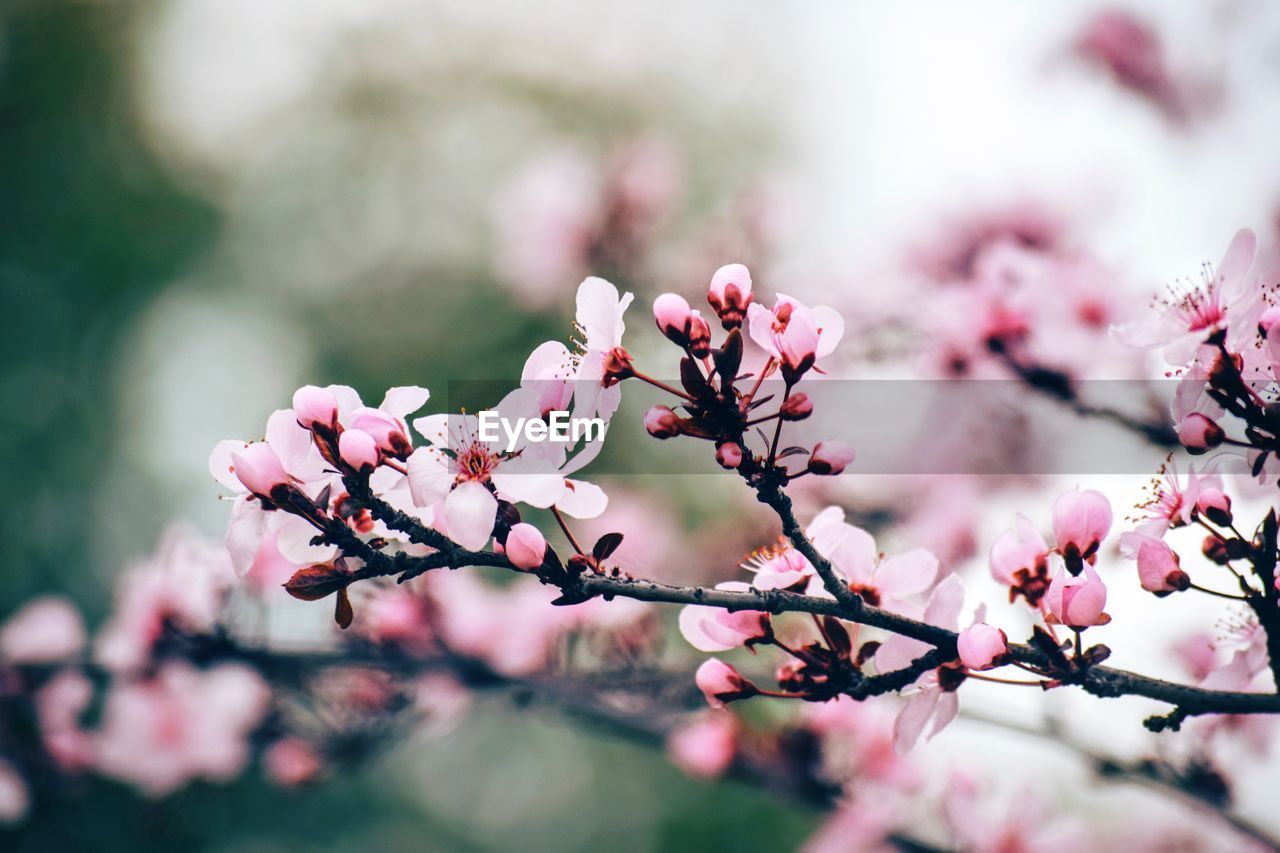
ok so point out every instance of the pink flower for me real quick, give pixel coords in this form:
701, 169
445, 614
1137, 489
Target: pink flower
259, 468
1077, 600
705, 747
292, 761
15, 801
599, 319
1225, 299
721, 683
359, 450
795, 335
1026, 828
45, 630
980, 646
881, 581
182, 725
729, 454
1159, 568
1214, 505
1081, 521
525, 546
929, 706
674, 317
830, 458
730, 294
1198, 433
1018, 554
713, 629
315, 407
1171, 504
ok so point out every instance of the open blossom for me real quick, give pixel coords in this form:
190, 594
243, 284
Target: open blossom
599, 318
1171, 503
881, 581
795, 335
1076, 600
1226, 298
45, 630
1081, 520
180, 726
714, 629
705, 747
981, 645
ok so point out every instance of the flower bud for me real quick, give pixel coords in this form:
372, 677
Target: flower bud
1081, 520
1216, 550
260, 470
730, 294
1199, 433
314, 406
387, 432
830, 458
526, 548
661, 422
359, 450
721, 683
797, 407
1077, 600
981, 646
1214, 505
673, 315
1159, 568
699, 336
617, 367
729, 454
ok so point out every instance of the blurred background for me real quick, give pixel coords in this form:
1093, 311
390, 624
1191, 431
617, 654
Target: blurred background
211, 202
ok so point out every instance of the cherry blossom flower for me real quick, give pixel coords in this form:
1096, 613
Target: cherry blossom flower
714, 629
881, 581
599, 319
705, 747
1227, 298
45, 630
1081, 520
1159, 568
721, 683
182, 725
1026, 827
980, 646
1170, 503
1019, 558
730, 294
1076, 600
795, 335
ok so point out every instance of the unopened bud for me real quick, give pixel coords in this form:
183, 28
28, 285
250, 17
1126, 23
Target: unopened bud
730, 294
1215, 549
386, 430
673, 315
1214, 505
1199, 433
699, 336
359, 450
729, 454
315, 407
526, 548
830, 458
617, 367
260, 470
797, 407
661, 422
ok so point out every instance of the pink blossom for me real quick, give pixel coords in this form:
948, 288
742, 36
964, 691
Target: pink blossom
45, 630
1159, 568
881, 581
182, 725
1225, 299
674, 317
1019, 550
830, 458
661, 422
927, 705
1026, 827
314, 406
1081, 520
941, 610
980, 646
1076, 600
259, 468
705, 747
1198, 433
1214, 505
292, 761
1172, 504
599, 318
359, 450
721, 683
795, 335
525, 546
714, 629
397, 615
730, 294
729, 454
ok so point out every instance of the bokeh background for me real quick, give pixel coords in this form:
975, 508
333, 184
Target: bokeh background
207, 203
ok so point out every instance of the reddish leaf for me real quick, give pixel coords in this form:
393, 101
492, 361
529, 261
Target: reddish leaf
315, 582
342, 612
606, 545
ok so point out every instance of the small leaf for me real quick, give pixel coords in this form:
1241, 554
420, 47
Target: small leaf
836, 633
342, 612
692, 379
792, 451
606, 545
728, 358
315, 582
867, 651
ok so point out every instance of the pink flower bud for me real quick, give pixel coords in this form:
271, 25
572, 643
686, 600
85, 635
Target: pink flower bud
1159, 569
661, 422
798, 343
359, 450
1081, 520
1199, 433
730, 294
314, 406
673, 315
1077, 600
388, 433
260, 469
721, 683
729, 454
526, 548
1214, 505
797, 407
981, 645
830, 457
